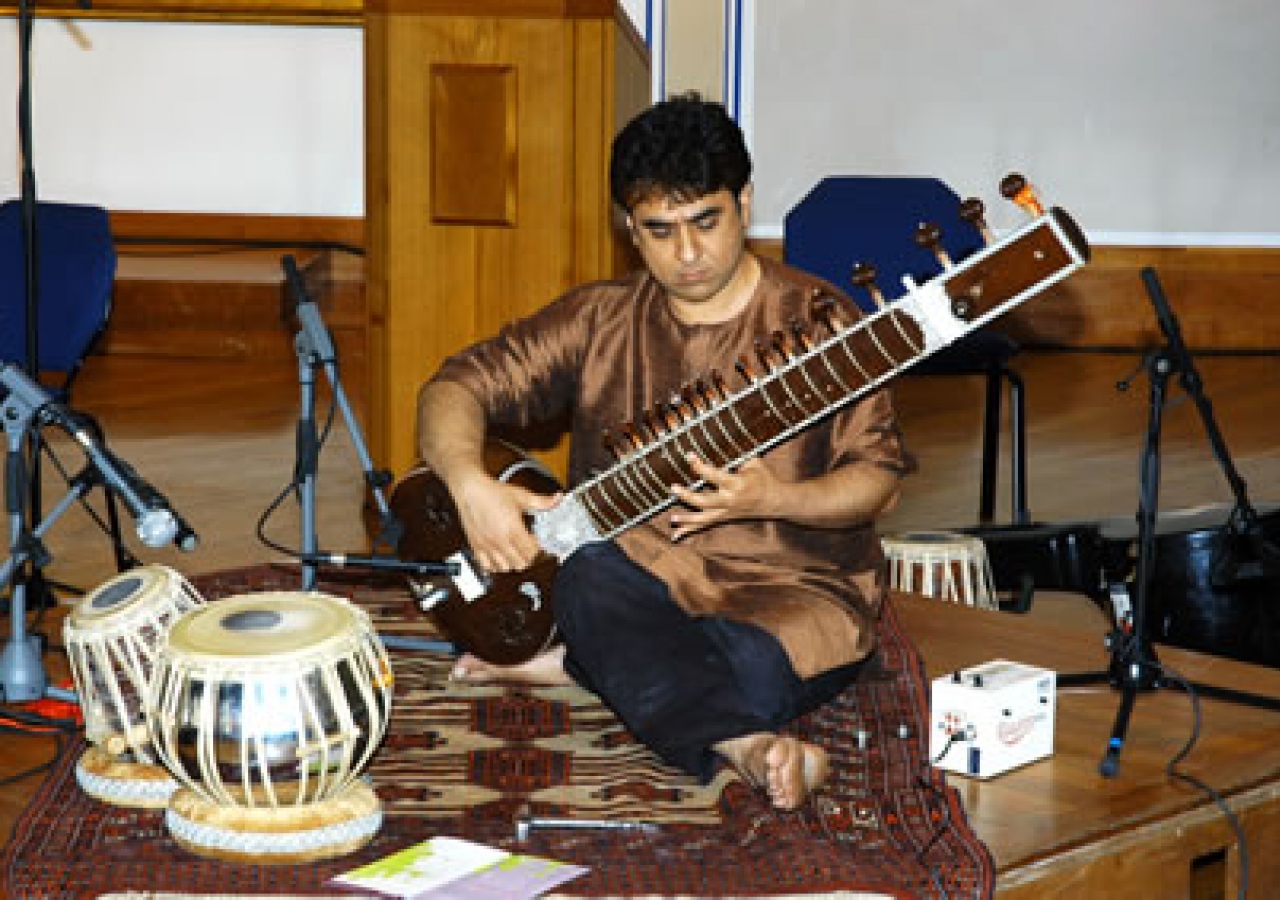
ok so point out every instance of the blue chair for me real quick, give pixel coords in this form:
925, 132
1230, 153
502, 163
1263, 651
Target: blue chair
77, 271
866, 219
77, 258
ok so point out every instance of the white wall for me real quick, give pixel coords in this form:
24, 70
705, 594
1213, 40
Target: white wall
192, 117
1148, 119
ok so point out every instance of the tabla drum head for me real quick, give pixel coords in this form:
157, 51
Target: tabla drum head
272, 625
115, 602
932, 537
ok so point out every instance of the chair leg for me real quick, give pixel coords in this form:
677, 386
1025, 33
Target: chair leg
1018, 447
990, 447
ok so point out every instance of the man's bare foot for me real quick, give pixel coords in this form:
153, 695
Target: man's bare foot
788, 768
547, 668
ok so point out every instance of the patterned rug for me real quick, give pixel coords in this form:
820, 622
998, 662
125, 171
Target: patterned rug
463, 761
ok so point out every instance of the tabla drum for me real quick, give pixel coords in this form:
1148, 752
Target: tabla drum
267, 708
941, 564
112, 638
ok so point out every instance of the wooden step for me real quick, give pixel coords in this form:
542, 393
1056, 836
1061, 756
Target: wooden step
193, 302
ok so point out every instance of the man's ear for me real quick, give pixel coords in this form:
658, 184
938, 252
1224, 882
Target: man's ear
631, 229
744, 201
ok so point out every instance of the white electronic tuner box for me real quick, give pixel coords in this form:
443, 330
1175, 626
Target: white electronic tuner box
992, 718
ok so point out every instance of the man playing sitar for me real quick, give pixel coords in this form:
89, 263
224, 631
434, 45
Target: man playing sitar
753, 595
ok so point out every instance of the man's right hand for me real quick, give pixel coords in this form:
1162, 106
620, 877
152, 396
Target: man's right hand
493, 517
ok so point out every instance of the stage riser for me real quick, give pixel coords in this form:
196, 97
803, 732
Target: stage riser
227, 297
211, 304
1193, 855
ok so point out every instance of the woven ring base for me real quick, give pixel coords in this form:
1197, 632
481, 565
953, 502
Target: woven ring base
275, 835
120, 783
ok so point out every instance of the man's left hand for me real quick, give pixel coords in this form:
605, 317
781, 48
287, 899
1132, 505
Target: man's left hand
747, 493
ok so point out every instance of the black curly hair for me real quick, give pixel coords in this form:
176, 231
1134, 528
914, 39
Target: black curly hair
684, 148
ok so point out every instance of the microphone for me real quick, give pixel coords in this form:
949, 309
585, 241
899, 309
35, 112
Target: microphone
157, 522
313, 327
383, 563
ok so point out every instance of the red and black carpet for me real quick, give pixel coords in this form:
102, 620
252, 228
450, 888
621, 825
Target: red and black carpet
462, 761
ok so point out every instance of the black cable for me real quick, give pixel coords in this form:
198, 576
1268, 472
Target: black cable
38, 726
1171, 769
294, 485
945, 822
952, 740
60, 748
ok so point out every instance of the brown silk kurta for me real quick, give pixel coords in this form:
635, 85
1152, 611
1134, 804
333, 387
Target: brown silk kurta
611, 350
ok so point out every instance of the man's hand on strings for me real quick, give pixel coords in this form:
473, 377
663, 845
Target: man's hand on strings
750, 492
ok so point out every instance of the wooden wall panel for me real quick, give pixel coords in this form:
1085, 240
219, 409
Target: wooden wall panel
474, 144
438, 283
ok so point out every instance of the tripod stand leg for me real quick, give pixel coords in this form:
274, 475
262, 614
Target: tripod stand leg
1110, 764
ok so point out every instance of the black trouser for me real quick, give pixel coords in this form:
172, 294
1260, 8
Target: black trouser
680, 683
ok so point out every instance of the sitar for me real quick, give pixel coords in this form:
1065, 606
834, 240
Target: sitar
507, 618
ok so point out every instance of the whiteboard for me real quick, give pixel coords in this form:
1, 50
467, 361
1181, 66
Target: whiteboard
1151, 120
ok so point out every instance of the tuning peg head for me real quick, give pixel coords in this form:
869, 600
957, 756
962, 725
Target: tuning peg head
1016, 188
611, 444
800, 338
764, 353
718, 385
692, 397
864, 276
929, 236
974, 212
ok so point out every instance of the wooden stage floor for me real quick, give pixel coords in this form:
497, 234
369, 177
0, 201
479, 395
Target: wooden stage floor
217, 436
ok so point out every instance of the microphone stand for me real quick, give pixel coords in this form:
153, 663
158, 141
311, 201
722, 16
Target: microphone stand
1134, 665
22, 673
315, 350
32, 580
28, 203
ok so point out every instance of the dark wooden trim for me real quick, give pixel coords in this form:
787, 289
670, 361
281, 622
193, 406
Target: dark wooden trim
520, 9
134, 226
314, 12
277, 12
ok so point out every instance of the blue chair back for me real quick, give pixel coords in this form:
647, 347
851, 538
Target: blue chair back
77, 271
847, 220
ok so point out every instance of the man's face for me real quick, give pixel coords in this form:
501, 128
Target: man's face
695, 248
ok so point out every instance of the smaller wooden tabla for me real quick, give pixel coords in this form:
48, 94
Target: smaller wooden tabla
941, 564
112, 638
267, 707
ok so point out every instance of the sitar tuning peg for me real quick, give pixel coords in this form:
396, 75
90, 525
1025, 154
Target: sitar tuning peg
745, 369
718, 385
765, 353
929, 236
1016, 188
654, 427
693, 398
780, 346
611, 444
800, 337
666, 417
864, 276
973, 212
633, 435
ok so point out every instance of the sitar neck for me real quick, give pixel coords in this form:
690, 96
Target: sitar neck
804, 382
